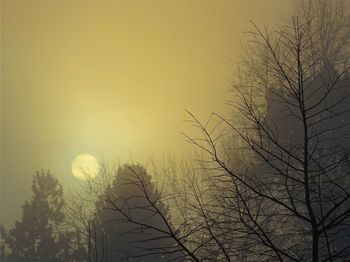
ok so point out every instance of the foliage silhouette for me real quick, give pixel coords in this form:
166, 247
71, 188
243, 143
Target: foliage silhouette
272, 184
129, 197
37, 236
290, 199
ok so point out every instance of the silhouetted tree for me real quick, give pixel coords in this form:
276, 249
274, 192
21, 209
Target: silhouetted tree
3, 249
290, 199
80, 211
130, 227
37, 236
273, 183
292, 105
78, 216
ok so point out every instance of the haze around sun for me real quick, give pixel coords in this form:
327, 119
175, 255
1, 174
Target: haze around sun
85, 166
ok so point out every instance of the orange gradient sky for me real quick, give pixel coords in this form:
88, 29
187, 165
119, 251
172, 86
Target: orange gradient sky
111, 78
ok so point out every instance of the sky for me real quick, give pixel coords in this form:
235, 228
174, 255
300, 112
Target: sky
111, 79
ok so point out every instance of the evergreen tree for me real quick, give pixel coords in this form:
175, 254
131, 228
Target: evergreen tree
120, 239
3, 250
37, 237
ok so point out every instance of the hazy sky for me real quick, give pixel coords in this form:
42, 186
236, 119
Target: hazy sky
110, 78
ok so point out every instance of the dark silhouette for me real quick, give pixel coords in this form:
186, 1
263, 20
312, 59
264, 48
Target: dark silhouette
290, 199
41, 235
272, 184
128, 226
3, 236
37, 236
292, 109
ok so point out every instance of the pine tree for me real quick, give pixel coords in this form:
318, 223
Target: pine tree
36, 237
120, 239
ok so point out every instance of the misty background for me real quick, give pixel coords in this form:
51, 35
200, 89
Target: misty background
111, 79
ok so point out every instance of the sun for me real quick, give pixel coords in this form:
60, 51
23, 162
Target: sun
85, 166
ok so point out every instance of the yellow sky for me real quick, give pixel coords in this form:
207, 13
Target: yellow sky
111, 78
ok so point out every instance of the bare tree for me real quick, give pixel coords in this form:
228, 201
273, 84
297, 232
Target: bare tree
292, 111
80, 213
273, 181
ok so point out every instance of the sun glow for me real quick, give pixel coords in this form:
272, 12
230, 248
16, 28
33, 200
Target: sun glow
85, 166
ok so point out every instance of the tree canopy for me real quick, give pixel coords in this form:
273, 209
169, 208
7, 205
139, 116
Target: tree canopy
37, 236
